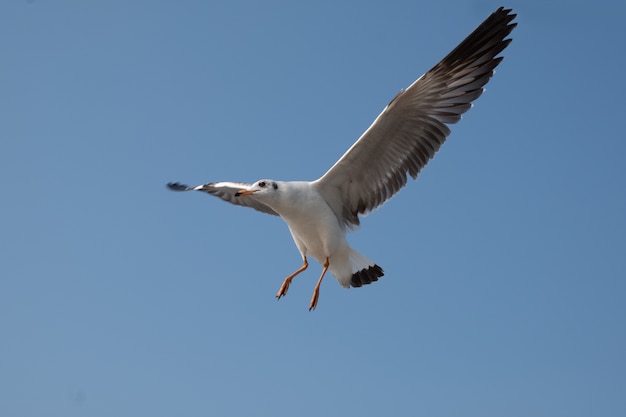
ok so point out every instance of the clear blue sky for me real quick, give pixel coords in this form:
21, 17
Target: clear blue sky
505, 284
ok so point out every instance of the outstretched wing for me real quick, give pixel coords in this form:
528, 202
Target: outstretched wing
406, 135
227, 191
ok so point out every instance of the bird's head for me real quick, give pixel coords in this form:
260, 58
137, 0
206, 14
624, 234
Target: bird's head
260, 188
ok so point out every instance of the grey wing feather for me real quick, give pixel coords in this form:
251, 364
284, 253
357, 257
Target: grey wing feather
227, 191
410, 130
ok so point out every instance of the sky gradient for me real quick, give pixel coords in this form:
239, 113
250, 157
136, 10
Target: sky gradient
504, 289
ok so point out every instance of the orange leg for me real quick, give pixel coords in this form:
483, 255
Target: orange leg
287, 281
316, 291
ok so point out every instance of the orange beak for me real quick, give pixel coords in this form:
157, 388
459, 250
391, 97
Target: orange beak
243, 193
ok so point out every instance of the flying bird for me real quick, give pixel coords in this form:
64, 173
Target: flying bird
402, 139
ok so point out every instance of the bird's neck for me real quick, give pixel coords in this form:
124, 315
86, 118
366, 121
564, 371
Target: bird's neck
290, 196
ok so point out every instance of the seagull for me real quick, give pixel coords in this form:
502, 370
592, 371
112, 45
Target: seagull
400, 141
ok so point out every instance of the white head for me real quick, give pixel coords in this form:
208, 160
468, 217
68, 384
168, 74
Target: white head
261, 188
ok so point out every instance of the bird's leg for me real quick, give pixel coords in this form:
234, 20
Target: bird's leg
287, 281
316, 291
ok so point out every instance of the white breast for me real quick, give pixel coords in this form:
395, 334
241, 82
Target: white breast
313, 225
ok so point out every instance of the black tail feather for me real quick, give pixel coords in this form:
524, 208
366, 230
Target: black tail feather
367, 276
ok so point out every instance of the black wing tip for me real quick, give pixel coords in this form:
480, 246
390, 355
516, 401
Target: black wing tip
176, 186
508, 17
506, 12
486, 41
366, 276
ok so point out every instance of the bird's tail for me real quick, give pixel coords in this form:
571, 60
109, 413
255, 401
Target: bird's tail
364, 271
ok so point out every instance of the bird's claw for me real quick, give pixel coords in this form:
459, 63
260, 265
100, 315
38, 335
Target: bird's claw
283, 290
316, 296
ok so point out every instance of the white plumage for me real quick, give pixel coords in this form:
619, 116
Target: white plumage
402, 139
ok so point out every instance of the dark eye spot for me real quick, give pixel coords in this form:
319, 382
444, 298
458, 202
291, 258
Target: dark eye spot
262, 184
275, 186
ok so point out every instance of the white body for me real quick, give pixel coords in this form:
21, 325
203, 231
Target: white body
316, 230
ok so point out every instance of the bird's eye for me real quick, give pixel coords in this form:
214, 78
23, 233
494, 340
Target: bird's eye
262, 184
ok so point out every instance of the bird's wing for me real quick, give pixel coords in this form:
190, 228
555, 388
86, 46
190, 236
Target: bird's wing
227, 191
408, 132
